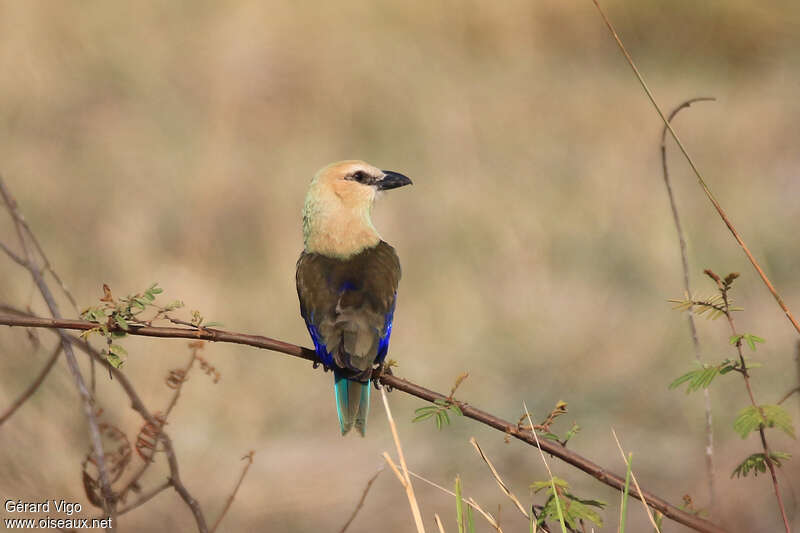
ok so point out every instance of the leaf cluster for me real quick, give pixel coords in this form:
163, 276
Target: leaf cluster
747, 338
769, 416
701, 377
114, 317
573, 509
438, 411
712, 307
757, 463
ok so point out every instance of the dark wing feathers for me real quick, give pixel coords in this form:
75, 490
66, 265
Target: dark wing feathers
348, 305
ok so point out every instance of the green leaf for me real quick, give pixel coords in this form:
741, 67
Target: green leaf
536, 486
116, 349
456, 409
424, 413
94, 314
757, 463
751, 340
114, 360
459, 506
624, 511
779, 418
696, 379
750, 419
121, 322
211, 324
177, 304
572, 432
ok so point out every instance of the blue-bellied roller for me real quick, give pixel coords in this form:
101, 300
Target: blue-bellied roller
347, 280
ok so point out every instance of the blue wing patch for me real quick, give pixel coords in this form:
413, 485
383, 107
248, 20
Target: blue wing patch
319, 345
383, 343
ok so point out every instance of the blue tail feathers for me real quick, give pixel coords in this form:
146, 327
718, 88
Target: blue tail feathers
352, 404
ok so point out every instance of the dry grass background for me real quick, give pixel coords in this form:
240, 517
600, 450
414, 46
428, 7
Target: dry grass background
173, 142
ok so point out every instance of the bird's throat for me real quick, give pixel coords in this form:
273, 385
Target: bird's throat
340, 233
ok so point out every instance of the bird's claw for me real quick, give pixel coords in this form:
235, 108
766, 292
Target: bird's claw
316, 364
377, 373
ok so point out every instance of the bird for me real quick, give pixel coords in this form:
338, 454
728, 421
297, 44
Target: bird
347, 279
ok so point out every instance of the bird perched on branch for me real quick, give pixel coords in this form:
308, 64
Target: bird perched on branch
347, 280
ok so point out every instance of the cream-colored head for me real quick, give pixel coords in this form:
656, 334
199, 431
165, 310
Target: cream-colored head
336, 216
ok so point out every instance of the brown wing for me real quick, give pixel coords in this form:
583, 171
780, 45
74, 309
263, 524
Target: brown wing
348, 304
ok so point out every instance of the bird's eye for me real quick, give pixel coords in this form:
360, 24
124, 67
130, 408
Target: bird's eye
360, 176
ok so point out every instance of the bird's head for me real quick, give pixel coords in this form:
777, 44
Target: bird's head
336, 216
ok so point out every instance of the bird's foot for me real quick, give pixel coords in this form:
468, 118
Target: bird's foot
378, 372
316, 364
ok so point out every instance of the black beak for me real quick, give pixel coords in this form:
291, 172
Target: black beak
392, 180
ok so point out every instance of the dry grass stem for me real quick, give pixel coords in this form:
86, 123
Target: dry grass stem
412, 499
469, 501
438, 523
497, 478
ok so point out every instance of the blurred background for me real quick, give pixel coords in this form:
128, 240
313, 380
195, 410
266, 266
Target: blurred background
174, 142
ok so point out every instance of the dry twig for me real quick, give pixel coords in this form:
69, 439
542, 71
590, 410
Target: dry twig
33, 386
362, 499
228, 503
709, 452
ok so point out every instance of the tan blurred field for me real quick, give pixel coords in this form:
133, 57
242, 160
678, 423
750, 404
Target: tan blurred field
173, 143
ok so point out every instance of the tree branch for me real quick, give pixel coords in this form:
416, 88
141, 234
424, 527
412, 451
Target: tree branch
72, 363
258, 341
33, 386
709, 452
138, 406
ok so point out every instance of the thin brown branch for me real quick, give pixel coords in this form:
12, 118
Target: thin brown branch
14, 257
362, 499
138, 406
396, 383
788, 394
709, 452
72, 363
161, 421
144, 498
700, 179
228, 503
33, 386
723, 289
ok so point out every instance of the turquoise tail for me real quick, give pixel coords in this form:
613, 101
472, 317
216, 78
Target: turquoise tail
352, 404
